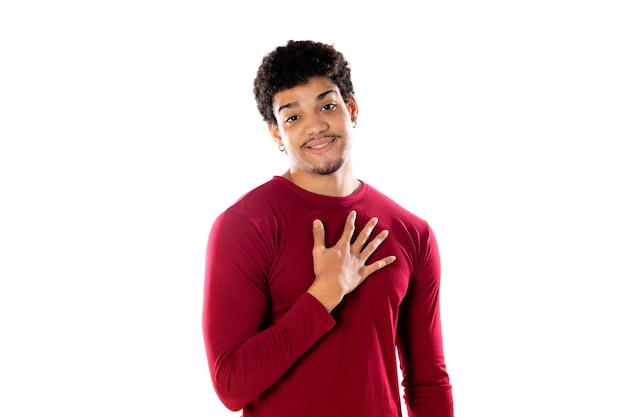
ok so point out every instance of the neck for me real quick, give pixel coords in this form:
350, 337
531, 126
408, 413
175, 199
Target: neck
340, 184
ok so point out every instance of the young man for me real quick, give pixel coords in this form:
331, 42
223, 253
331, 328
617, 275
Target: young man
314, 278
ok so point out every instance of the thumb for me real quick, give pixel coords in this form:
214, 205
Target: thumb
318, 234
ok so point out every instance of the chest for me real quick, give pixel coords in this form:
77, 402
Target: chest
291, 273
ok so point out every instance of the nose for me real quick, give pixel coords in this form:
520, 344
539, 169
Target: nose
315, 125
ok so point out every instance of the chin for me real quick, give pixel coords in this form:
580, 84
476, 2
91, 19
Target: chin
329, 168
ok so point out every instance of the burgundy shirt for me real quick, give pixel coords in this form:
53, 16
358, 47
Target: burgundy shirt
274, 351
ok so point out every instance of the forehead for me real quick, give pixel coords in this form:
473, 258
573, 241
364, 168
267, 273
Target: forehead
305, 93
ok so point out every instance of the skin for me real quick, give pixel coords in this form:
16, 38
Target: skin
314, 124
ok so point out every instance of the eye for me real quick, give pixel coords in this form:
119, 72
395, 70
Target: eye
329, 107
291, 119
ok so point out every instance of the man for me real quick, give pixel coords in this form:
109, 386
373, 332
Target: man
315, 278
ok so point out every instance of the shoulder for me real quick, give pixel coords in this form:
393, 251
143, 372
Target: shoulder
395, 212
252, 209
255, 201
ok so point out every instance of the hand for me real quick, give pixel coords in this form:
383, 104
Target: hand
341, 268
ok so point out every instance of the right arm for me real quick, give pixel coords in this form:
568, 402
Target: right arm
245, 356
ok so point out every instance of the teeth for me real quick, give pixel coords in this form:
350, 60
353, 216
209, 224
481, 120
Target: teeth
319, 146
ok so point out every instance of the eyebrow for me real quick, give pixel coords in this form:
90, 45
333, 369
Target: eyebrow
294, 104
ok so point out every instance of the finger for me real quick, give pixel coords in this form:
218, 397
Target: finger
319, 238
359, 243
349, 228
375, 266
374, 244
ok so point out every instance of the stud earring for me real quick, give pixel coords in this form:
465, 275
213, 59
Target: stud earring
281, 148
354, 123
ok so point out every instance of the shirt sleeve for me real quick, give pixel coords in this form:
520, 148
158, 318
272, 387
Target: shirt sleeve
427, 389
245, 354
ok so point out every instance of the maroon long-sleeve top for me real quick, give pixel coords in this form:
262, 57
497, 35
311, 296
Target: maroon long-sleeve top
273, 350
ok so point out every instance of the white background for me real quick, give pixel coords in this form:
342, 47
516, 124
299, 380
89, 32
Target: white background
127, 126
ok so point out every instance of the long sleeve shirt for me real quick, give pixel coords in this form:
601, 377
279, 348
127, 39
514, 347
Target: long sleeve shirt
273, 350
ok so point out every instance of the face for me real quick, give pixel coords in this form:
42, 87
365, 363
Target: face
314, 124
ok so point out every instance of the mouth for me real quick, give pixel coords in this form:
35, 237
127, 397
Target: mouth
319, 144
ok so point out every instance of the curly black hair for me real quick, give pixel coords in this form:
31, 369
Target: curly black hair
295, 64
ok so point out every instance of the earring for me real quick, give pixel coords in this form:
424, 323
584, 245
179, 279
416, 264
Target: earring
281, 148
354, 123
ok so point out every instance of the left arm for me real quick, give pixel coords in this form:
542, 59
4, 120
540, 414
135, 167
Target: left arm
427, 388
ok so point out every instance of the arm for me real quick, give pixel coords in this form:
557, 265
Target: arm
246, 356
426, 383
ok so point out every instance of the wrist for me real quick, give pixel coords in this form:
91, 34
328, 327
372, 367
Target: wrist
329, 299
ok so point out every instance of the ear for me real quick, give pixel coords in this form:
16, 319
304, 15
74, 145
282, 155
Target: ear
353, 108
275, 132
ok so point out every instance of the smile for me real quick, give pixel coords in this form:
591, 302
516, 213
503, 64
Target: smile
320, 144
